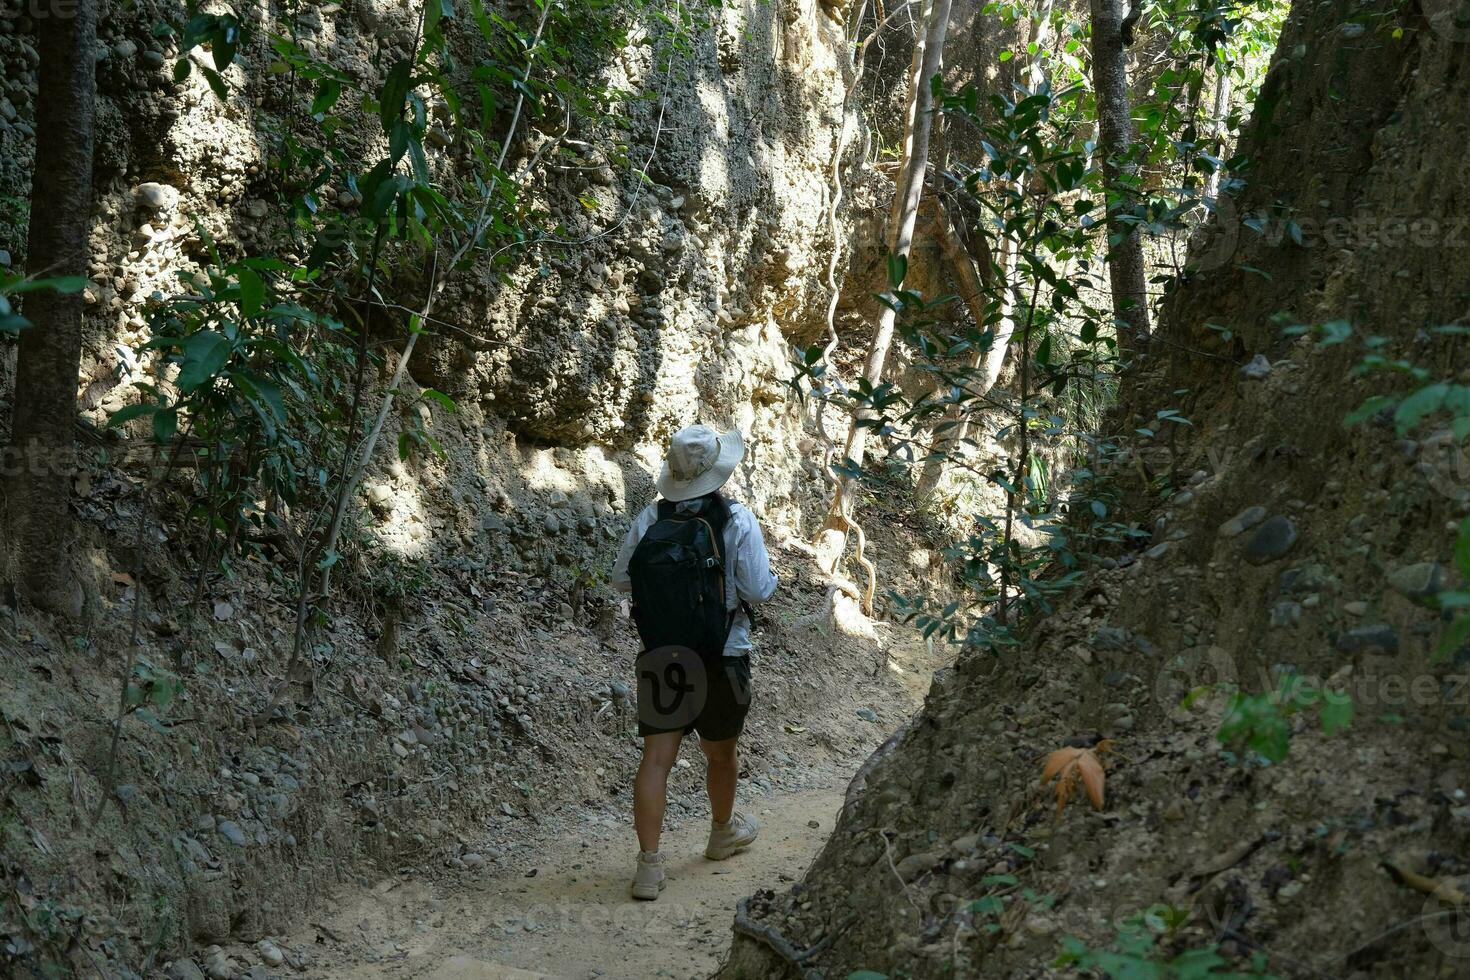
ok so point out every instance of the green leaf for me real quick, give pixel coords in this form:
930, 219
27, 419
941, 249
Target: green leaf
398, 135
165, 424
252, 293
60, 284
1337, 713
1418, 406
205, 354
127, 413
394, 92
328, 91
182, 67
1462, 549
1453, 638
419, 161
152, 721
989, 905
1368, 409
225, 42
898, 268
443, 399
1335, 332
221, 90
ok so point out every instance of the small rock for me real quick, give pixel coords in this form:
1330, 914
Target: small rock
1257, 369
184, 970
1157, 551
1419, 581
473, 861
1271, 541
219, 966
231, 832
914, 865
1242, 522
867, 714
154, 196
380, 498
1358, 608
1040, 926
814, 824
4, 259
1286, 613
270, 953
1379, 636
125, 48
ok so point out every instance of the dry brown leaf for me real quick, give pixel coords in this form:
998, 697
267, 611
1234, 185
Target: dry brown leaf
1071, 766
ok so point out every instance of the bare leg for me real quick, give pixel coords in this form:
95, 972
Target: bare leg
651, 787
723, 770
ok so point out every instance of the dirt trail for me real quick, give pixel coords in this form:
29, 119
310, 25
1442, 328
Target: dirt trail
553, 901
561, 908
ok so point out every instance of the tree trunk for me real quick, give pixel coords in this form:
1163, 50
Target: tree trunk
1120, 172
989, 363
49, 356
928, 58
1219, 109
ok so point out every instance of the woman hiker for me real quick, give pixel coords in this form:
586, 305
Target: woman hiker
694, 562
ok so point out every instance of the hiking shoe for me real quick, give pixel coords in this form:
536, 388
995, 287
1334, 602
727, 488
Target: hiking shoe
728, 838
649, 880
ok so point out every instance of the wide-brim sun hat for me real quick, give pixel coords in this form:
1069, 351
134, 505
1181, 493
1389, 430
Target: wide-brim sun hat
699, 461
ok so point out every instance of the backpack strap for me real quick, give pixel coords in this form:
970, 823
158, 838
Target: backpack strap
721, 508
719, 511
664, 509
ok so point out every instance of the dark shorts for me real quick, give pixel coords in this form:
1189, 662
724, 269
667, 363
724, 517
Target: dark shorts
679, 691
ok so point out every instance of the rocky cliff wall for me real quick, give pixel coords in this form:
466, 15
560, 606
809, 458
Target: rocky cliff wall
1288, 546
478, 698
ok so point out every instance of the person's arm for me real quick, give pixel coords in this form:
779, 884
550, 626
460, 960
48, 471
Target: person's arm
620, 578
754, 580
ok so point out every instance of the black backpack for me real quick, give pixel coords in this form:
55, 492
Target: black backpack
678, 573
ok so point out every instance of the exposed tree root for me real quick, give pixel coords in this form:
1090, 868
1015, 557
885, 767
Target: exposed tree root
795, 958
837, 520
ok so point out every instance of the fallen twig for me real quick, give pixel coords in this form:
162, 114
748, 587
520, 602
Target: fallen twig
1442, 890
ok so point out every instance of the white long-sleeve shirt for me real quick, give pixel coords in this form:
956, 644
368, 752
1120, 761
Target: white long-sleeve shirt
748, 575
